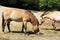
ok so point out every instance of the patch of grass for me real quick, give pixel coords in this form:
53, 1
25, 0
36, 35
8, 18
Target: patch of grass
3, 38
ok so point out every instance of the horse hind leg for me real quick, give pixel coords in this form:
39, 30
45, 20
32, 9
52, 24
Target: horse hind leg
22, 28
8, 25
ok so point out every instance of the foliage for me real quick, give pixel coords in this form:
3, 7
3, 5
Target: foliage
49, 4
33, 4
25, 4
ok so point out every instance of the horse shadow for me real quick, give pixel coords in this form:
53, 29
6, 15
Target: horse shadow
50, 29
28, 32
16, 32
57, 29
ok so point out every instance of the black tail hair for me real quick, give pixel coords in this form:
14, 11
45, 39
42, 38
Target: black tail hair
2, 19
2, 22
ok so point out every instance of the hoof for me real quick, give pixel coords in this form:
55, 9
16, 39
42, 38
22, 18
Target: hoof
3, 32
25, 32
22, 31
39, 33
9, 32
54, 28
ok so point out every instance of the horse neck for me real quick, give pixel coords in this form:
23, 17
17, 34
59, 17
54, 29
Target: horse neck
45, 13
34, 20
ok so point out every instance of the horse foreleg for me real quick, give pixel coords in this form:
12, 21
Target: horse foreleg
8, 25
25, 25
22, 28
53, 24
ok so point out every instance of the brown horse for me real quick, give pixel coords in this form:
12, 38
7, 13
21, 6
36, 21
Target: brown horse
51, 15
19, 15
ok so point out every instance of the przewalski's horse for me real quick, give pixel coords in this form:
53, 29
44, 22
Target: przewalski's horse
52, 15
19, 15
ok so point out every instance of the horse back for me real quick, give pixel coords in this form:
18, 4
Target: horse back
16, 14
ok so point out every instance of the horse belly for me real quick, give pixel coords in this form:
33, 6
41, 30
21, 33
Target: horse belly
57, 18
17, 20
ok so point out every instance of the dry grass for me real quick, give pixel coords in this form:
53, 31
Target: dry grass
48, 34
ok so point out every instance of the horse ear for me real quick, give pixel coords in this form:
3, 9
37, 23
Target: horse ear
44, 16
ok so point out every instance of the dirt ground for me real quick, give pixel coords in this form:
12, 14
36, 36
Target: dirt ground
46, 29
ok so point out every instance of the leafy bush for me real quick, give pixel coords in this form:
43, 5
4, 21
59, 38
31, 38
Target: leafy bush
49, 4
33, 4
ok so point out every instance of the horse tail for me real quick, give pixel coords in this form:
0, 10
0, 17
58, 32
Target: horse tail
2, 18
2, 22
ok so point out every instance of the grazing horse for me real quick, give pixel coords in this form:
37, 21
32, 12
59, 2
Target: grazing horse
19, 15
52, 15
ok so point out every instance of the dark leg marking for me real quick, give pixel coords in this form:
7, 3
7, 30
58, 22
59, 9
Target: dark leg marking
8, 25
22, 28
